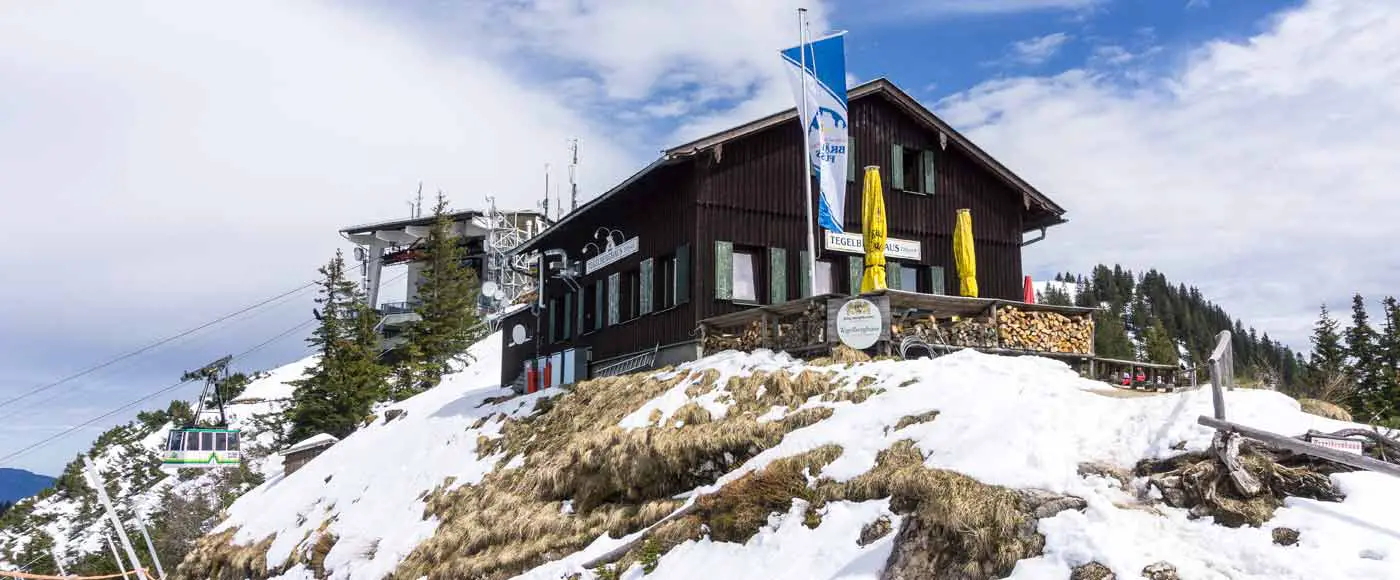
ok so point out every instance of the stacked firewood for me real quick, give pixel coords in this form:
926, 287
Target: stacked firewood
803, 329
1045, 331
746, 338
971, 332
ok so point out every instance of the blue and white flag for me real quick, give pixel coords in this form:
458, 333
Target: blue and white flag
827, 135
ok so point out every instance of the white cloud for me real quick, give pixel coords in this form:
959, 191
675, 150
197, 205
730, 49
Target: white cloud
1039, 49
1263, 171
167, 162
1192, 4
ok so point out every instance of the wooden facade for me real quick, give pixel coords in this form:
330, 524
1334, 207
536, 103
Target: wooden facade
737, 195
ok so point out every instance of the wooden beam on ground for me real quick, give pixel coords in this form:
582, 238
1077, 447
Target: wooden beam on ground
1299, 446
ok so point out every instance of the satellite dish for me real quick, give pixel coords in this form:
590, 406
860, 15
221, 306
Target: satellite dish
359, 253
517, 335
490, 289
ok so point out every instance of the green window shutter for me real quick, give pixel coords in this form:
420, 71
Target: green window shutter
929, 174
614, 287
777, 275
646, 285
857, 264
805, 284
892, 275
850, 158
724, 270
683, 274
579, 324
553, 309
897, 167
937, 285
600, 296
568, 317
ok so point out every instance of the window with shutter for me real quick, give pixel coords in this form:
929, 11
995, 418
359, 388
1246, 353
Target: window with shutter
600, 298
937, 285
897, 167
724, 270
857, 267
928, 171
614, 300
683, 274
580, 319
568, 317
777, 275
826, 279
850, 158
646, 286
553, 313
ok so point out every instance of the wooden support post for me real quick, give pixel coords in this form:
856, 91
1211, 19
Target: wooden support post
1299, 446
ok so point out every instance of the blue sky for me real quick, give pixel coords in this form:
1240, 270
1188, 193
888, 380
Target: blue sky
188, 160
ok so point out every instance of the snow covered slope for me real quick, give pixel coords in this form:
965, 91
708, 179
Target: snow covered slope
129, 459
378, 498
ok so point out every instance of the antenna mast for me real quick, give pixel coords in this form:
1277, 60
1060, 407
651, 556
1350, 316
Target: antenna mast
546, 191
573, 178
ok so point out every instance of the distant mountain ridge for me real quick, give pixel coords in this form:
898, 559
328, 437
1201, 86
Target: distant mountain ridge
17, 484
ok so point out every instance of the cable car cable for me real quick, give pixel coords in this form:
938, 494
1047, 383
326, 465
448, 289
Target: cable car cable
150, 346
175, 386
136, 402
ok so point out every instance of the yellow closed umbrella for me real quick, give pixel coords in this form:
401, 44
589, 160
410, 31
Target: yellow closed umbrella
964, 254
873, 222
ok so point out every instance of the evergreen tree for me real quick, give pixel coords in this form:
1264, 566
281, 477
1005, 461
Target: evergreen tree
1111, 337
449, 322
1388, 360
337, 391
1055, 295
1326, 369
1368, 401
1158, 344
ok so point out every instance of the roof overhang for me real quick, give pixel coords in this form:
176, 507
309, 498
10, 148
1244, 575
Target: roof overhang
1052, 212
901, 99
535, 242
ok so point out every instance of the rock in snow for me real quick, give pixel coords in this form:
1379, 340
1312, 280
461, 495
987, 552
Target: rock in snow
1024, 423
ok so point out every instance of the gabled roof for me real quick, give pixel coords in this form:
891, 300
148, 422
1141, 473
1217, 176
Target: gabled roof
312, 442
880, 86
900, 98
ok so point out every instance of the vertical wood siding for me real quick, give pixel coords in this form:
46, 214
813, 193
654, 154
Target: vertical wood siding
748, 192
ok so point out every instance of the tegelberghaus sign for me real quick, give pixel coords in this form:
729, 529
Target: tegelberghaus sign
610, 255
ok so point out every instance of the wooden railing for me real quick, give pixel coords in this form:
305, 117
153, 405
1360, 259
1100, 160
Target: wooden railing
1222, 378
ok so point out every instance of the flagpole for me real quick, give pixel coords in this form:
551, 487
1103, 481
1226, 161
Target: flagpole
807, 156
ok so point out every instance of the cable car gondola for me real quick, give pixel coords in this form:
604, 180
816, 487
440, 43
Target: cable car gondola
205, 447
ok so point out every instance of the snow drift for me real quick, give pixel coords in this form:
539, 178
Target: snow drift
474, 480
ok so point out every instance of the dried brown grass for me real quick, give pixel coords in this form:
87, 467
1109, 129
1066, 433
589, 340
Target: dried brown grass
1324, 409
908, 420
619, 480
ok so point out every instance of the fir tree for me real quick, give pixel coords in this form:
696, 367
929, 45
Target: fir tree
1111, 337
337, 391
1388, 360
1369, 401
1327, 376
449, 322
1158, 344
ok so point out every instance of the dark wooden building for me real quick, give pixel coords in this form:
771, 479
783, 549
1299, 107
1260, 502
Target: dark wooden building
718, 225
